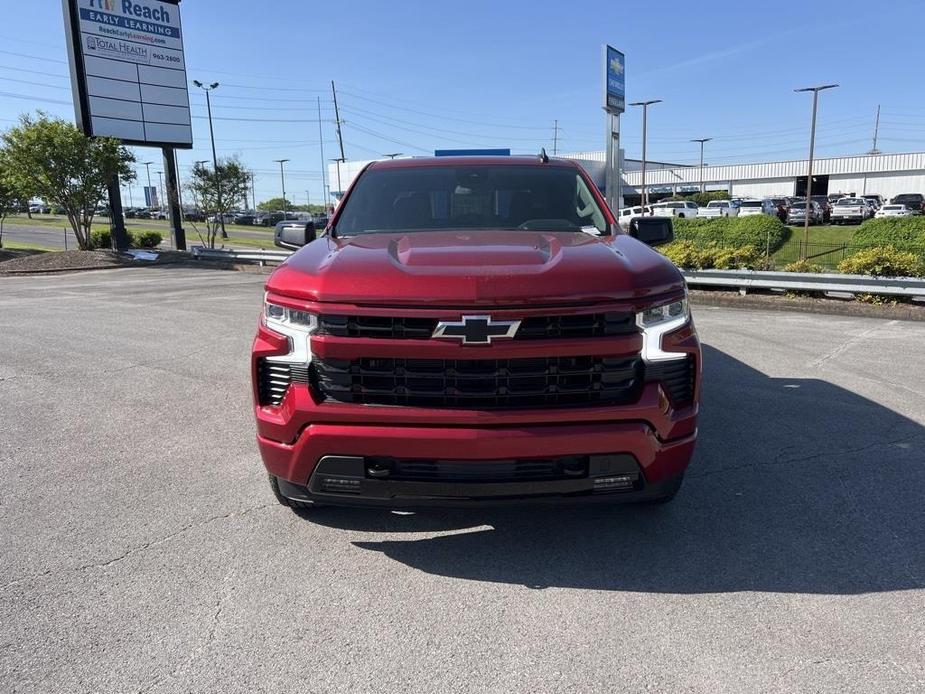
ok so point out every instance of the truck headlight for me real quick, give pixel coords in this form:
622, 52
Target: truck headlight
656, 322
296, 325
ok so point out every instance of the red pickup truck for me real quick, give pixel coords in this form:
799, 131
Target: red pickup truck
475, 330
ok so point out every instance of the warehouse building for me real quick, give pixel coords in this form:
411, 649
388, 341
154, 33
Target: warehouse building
884, 174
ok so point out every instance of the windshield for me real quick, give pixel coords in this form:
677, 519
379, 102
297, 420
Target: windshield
849, 201
718, 203
544, 198
751, 203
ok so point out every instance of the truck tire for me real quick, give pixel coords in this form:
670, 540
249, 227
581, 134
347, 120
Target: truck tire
291, 503
671, 491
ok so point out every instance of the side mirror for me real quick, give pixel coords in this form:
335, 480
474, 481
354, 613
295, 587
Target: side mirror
653, 231
294, 236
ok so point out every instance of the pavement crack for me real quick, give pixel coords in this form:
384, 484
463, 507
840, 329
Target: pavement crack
137, 549
779, 460
847, 344
209, 639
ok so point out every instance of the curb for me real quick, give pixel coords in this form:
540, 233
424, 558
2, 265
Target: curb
834, 307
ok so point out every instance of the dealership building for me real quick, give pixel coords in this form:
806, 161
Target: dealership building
867, 174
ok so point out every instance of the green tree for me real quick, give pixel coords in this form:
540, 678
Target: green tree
217, 192
9, 202
50, 158
274, 204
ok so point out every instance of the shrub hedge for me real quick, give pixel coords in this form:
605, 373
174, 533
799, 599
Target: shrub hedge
755, 230
100, 238
883, 261
892, 231
695, 256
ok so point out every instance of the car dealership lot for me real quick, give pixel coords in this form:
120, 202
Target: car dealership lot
143, 551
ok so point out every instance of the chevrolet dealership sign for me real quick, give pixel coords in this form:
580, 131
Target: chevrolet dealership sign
128, 73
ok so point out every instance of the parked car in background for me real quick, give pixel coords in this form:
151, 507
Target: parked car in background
796, 214
850, 211
675, 208
891, 210
142, 213
269, 219
876, 198
914, 201
719, 208
244, 218
826, 206
627, 214
752, 207
305, 229
871, 206
194, 215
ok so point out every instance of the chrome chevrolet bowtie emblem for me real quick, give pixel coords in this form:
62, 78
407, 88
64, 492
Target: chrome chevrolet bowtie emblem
477, 330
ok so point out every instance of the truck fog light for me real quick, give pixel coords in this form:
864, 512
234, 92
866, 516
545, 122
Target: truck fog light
614, 482
341, 485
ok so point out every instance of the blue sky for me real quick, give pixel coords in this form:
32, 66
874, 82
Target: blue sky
415, 76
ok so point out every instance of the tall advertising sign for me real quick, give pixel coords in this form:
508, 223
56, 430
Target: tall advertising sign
614, 105
614, 81
128, 72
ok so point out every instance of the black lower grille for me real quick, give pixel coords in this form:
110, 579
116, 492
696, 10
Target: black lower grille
532, 328
478, 471
274, 379
677, 378
477, 383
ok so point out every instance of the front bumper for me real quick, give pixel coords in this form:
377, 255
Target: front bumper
652, 437
643, 469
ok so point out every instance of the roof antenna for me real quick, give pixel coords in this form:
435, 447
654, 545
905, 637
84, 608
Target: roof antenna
543, 156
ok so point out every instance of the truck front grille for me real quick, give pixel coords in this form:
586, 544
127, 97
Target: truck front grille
518, 470
533, 328
481, 383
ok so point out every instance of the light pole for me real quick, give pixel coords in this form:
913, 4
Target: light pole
282, 178
160, 190
701, 141
809, 172
147, 165
645, 116
218, 184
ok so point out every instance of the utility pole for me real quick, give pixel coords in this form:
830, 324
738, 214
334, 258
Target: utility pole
338, 163
282, 178
809, 172
874, 150
340, 138
555, 137
645, 115
218, 183
253, 191
325, 190
392, 155
701, 141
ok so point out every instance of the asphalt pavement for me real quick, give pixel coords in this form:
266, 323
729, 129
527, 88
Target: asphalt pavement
142, 550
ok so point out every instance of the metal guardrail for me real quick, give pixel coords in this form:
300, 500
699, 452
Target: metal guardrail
827, 283
743, 280
256, 255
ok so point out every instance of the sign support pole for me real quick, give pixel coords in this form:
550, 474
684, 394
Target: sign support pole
118, 235
173, 198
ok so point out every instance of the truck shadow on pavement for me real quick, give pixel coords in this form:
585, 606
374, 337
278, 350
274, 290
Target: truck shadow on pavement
797, 486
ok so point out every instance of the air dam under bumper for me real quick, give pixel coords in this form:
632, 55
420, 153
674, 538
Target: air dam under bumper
627, 459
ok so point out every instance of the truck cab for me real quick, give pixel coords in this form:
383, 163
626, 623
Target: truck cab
472, 331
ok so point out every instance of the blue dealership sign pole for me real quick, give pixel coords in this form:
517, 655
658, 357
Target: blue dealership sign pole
614, 105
